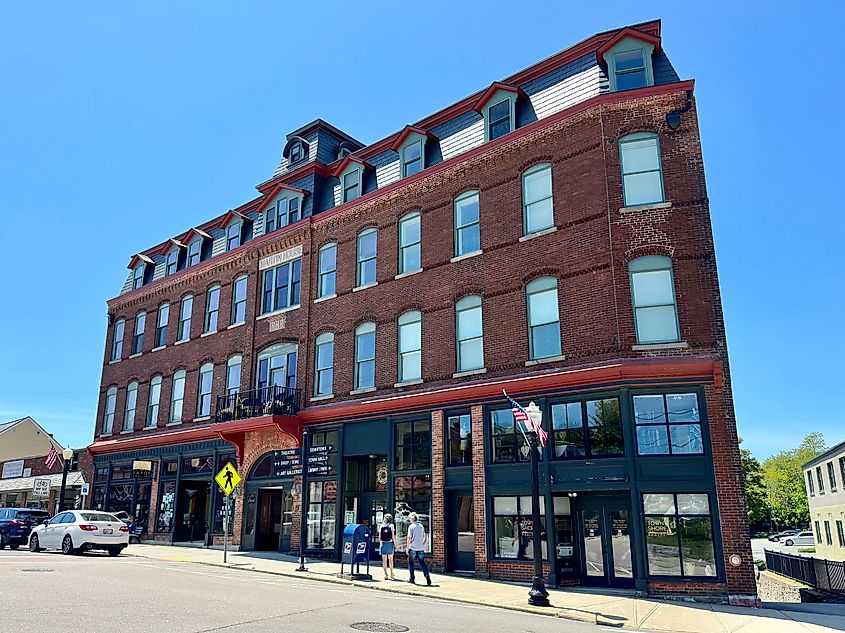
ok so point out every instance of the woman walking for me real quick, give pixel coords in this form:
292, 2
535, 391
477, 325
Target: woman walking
387, 535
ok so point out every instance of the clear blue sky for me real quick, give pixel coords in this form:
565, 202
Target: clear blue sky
123, 125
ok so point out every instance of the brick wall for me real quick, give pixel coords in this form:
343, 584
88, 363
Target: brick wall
479, 490
515, 571
438, 482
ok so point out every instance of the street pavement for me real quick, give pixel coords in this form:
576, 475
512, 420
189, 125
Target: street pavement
758, 545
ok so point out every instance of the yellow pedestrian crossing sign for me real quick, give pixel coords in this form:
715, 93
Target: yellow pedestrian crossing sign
228, 478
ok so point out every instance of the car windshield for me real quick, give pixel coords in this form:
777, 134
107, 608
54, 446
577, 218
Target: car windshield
32, 516
99, 516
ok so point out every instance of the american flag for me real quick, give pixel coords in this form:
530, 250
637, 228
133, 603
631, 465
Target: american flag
520, 415
52, 458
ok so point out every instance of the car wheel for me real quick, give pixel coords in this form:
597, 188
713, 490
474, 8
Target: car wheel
15, 546
790, 542
67, 545
114, 551
33, 544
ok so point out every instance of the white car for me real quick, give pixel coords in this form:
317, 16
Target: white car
802, 538
77, 531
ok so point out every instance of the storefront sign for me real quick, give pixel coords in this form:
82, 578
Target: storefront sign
41, 488
280, 258
142, 469
288, 462
13, 469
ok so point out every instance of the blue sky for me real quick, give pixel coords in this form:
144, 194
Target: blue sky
121, 126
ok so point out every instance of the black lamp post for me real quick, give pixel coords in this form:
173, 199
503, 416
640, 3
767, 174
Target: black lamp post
67, 454
538, 596
303, 505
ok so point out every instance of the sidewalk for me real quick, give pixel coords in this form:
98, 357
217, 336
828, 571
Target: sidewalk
605, 608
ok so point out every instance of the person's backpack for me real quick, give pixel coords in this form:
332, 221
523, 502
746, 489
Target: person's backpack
386, 533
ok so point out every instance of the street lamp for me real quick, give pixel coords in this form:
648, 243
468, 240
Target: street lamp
68, 455
538, 596
303, 508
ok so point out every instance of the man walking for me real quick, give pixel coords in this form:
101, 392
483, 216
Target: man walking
416, 548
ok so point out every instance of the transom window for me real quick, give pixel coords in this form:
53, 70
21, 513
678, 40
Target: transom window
409, 243
185, 310
365, 356
206, 380
679, 535
108, 418
412, 158
630, 69
327, 270
413, 445
152, 405
281, 286
653, 294
138, 337
538, 212
410, 346
367, 245
177, 396
668, 424
324, 366
459, 437
470, 336
642, 174
467, 224
591, 428
351, 183
131, 405
161, 325
117, 341
499, 119
212, 309
239, 300
543, 318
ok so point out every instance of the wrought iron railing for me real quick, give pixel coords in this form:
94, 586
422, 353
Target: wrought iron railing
819, 573
272, 400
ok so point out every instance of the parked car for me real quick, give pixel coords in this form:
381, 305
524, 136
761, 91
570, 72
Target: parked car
781, 535
802, 538
17, 523
123, 515
78, 531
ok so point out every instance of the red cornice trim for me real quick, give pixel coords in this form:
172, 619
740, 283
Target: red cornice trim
648, 38
338, 168
493, 89
186, 237
405, 133
275, 192
134, 261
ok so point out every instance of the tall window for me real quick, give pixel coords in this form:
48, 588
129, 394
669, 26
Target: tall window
537, 208
277, 366
412, 159
185, 310
820, 479
467, 224
653, 294
842, 469
206, 380
233, 375
365, 356
281, 285
543, 318
108, 418
172, 263
292, 210
138, 276
470, 337
233, 236
367, 244
324, 379
194, 252
212, 308
499, 119
410, 346
413, 445
161, 325
177, 396
409, 243
322, 507
459, 436
810, 483
630, 69
117, 341
827, 537
513, 527
138, 337
642, 175
327, 270
840, 533
351, 185
131, 404
239, 300
152, 405
668, 424
679, 535
831, 476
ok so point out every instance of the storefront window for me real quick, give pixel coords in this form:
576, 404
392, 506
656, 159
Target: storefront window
413, 445
322, 500
568, 428
513, 528
668, 424
169, 468
194, 465
322, 458
121, 471
604, 422
679, 535
142, 505
101, 474
412, 494
564, 537
587, 429
459, 435
99, 500
507, 438
120, 498
166, 507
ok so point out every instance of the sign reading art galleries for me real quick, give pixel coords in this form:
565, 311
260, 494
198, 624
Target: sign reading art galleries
278, 259
288, 462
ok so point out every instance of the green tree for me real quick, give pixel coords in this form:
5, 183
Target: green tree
756, 501
783, 479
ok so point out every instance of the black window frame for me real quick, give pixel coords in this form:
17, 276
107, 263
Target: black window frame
831, 476
420, 440
459, 438
161, 329
667, 423
491, 123
586, 429
515, 431
522, 517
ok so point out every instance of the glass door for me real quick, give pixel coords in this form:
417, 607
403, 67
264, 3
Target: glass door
461, 531
606, 542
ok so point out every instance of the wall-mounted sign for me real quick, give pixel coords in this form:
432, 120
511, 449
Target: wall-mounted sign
280, 258
41, 488
142, 469
288, 462
277, 322
27, 472
12, 469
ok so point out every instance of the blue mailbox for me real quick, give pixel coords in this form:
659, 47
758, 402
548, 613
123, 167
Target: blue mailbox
356, 549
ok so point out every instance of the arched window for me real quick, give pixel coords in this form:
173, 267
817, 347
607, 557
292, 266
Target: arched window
327, 270
469, 334
131, 404
642, 174
177, 396
153, 401
206, 381
410, 346
108, 418
543, 318
653, 298
410, 258
467, 224
367, 245
365, 356
233, 375
324, 365
537, 208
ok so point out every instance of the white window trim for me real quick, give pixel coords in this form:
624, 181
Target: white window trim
626, 45
495, 99
413, 137
353, 166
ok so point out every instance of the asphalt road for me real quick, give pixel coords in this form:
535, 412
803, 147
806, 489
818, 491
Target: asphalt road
758, 545
94, 593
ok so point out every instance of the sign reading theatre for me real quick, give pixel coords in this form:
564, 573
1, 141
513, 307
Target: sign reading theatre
288, 462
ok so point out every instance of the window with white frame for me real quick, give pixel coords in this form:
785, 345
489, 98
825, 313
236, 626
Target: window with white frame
410, 346
365, 356
280, 286
410, 257
185, 310
543, 318
172, 262
138, 336
206, 380
467, 224
327, 270
367, 245
469, 331
239, 300
117, 341
351, 185
642, 174
286, 211
233, 235
499, 119
152, 404
131, 404
177, 396
277, 366
161, 325
653, 298
108, 417
630, 69
212, 309
233, 375
324, 378
138, 275
537, 207
195, 252
412, 158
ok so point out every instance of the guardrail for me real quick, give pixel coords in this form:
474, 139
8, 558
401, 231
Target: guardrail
272, 400
819, 573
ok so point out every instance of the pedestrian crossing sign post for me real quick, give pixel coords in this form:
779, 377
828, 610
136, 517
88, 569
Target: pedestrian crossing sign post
228, 479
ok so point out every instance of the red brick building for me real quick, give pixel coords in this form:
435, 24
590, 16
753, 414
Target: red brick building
548, 235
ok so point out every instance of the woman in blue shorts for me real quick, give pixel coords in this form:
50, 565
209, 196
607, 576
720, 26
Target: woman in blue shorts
387, 536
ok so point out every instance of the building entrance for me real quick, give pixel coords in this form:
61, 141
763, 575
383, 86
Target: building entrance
192, 511
606, 559
275, 519
460, 531
365, 495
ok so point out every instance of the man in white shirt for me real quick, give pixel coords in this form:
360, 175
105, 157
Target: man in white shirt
416, 548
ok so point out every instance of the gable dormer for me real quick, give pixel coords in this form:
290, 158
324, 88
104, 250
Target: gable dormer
142, 268
198, 245
628, 56
350, 174
497, 105
283, 205
237, 230
410, 145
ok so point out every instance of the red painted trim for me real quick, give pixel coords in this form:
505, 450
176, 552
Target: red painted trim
185, 238
338, 168
493, 89
307, 169
140, 256
405, 133
648, 38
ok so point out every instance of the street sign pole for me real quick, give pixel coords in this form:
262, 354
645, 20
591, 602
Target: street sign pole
228, 479
226, 529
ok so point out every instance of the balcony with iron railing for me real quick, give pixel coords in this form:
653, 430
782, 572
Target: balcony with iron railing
256, 403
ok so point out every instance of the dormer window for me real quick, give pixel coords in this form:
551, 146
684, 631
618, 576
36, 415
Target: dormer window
194, 252
142, 268
498, 120
296, 152
412, 161
286, 211
233, 236
630, 69
628, 58
497, 105
172, 263
410, 145
138, 276
351, 185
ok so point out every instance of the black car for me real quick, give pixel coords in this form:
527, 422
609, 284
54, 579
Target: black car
16, 524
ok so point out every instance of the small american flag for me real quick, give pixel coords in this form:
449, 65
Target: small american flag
52, 458
520, 415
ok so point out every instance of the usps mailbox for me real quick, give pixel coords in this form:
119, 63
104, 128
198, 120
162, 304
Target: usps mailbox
356, 549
